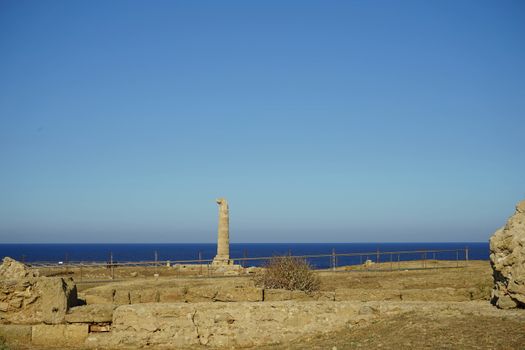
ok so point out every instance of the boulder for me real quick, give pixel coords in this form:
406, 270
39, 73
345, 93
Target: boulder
507, 258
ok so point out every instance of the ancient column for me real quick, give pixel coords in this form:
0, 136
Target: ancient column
223, 241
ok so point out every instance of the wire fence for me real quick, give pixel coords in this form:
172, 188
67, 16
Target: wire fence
339, 262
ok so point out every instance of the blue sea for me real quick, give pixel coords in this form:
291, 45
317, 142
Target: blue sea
176, 251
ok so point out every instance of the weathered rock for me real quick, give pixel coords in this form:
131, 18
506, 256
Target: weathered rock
226, 324
132, 294
99, 295
57, 296
360, 294
90, 314
283, 294
15, 334
31, 299
63, 335
12, 269
121, 297
507, 258
167, 295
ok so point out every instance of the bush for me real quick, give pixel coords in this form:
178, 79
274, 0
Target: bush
287, 272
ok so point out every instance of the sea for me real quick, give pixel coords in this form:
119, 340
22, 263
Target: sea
69, 253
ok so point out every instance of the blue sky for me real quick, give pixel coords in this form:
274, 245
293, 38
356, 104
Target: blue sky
341, 121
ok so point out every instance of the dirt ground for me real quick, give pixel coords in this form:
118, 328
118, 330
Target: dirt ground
414, 331
477, 274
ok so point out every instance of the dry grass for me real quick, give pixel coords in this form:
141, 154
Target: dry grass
416, 331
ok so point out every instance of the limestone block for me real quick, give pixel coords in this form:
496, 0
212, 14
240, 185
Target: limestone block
97, 299
283, 294
197, 294
65, 335
4, 306
121, 297
358, 294
57, 295
172, 294
149, 295
242, 324
96, 328
15, 335
239, 293
99, 295
90, 314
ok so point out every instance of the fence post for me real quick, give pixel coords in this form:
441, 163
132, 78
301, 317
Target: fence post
391, 263
466, 256
333, 259
156, 264
377, 256
398, 262
457, 258
111, 265
200, 263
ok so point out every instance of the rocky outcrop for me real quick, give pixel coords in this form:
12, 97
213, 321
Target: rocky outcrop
26, 298
507, 258
12, 269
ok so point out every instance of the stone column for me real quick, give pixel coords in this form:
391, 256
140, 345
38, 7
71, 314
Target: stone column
223, 241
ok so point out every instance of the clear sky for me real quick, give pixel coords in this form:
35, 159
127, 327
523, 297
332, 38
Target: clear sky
320, 121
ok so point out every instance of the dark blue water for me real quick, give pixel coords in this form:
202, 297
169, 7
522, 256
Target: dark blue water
176, 251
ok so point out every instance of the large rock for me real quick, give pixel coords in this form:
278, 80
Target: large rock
28, 299
12, 270
507, 258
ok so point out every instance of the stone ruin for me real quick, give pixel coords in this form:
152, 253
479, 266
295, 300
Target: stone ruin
26, 298
507, 258
34, 309
223, 240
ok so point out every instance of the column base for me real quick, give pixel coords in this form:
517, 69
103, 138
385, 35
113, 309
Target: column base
222, 261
